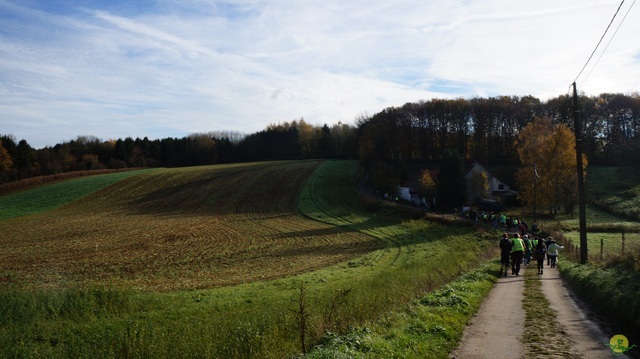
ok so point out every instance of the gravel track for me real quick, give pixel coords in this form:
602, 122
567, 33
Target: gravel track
496, 331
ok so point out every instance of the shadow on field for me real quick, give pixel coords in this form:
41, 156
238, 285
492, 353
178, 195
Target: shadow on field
319, 232
348, 249
262, 192
260, 189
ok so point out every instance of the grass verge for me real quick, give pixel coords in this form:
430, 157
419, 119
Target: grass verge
611, 291
428, 327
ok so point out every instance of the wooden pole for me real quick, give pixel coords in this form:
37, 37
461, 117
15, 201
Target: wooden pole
534, 192
584, 253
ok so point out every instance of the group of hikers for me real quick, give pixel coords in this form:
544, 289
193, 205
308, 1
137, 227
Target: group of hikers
500, 220
523, 248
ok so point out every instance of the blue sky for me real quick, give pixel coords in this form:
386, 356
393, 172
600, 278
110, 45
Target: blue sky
169, 68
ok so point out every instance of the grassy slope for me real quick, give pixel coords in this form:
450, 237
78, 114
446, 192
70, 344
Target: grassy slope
252, 319
616, 190
614, 195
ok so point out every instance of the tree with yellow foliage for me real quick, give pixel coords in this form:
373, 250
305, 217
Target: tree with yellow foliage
427, 184
551, 149
5, 158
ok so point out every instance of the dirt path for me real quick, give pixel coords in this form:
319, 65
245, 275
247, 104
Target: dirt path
587, 338
497, 329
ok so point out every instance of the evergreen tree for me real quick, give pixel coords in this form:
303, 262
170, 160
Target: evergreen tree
25, 160
451, 182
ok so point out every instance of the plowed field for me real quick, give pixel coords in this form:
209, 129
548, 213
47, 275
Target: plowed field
174, 229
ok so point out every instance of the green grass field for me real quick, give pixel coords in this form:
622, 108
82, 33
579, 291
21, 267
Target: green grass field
609, 216
616, 190
212, 261
610, 243
46, 198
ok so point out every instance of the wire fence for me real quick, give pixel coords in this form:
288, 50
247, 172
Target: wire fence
603, 252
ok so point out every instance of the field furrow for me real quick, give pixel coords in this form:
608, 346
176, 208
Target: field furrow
175, 229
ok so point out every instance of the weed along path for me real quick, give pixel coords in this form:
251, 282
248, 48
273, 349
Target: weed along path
533, 316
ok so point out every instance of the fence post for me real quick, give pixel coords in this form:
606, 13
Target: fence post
601, 248
623, 240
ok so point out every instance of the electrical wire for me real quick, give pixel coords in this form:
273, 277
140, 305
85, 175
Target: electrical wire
608, 43
601, 38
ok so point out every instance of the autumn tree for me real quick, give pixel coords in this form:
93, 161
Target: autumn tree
5, 158
344, 141
427, 184
201, 149
551, 148
308, 137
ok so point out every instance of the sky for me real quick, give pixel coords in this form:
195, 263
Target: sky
169, 68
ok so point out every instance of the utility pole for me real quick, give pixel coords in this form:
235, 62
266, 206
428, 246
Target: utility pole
584, 253
535, 179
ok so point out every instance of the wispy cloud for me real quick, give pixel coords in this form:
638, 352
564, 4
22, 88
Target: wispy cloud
168, 68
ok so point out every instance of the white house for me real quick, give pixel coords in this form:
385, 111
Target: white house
498, 190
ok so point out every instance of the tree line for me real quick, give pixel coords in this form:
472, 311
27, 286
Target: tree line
481, 129
289, 140
486, 129
513, 131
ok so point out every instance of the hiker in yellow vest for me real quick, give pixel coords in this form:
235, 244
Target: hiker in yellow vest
517, 253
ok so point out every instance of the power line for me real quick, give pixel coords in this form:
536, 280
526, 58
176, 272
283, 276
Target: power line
601, 38
608, 43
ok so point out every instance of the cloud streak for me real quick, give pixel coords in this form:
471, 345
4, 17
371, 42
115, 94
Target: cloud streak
168, 68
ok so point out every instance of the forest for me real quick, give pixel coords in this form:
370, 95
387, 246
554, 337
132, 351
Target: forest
479, 129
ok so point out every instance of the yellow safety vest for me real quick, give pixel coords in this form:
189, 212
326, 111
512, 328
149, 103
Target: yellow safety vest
518, 245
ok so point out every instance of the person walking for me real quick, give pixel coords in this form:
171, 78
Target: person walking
539, 254
534, 228
527, 249
547, 242
517, 253
553, 252
505, 251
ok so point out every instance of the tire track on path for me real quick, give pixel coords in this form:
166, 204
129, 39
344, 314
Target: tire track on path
588, 339
498, 329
